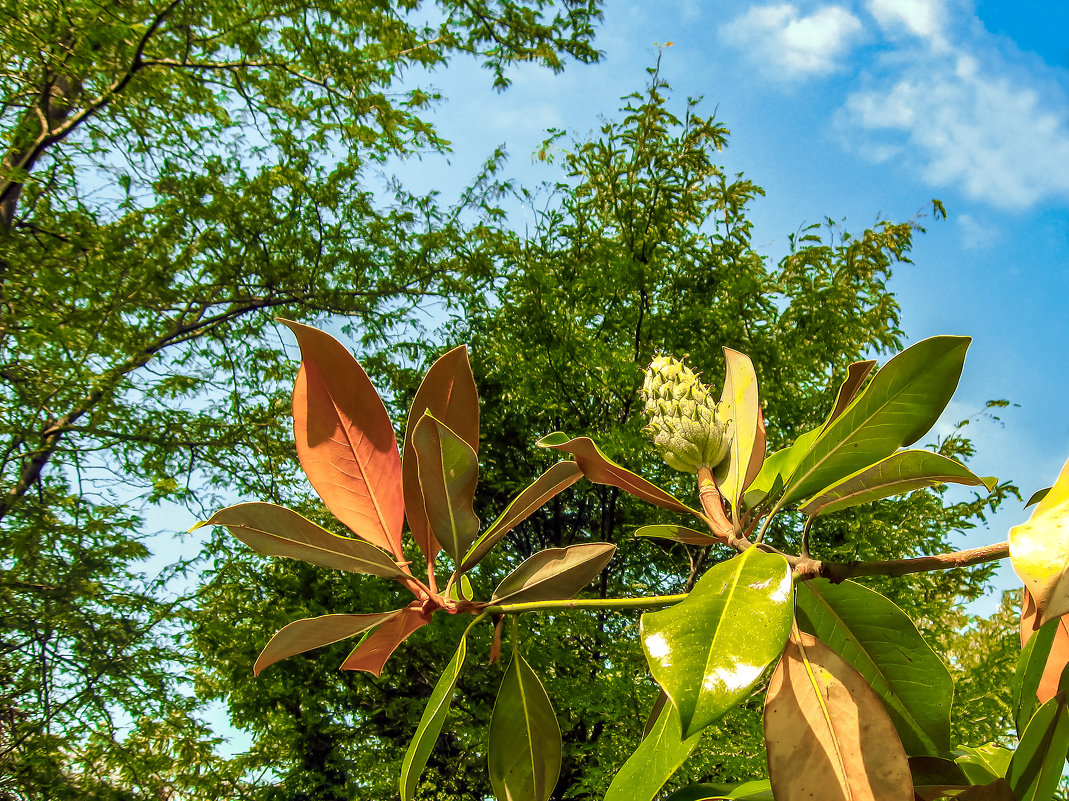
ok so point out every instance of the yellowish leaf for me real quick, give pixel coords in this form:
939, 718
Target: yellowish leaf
827, 733
1039, 551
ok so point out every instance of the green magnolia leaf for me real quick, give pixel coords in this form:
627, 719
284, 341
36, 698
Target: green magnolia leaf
278, 531
1037, 496
657, 757
880, 641
448, 472
677, 534
778, 468
313, 632
983, 764
1031, 666
744, 791
555, 573
555, 480
448, 392
927, 770
742, 406
900, 472
345, 440
1036, 767
525, 740
710, 649
461, 590
430, 724
899, 405
600, 469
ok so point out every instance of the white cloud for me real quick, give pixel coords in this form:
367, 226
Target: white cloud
783, 41
921, 18
967, 124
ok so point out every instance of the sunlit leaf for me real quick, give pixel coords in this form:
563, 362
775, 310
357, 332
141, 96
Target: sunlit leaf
430, 724
881, 642
525, 739
1037, 764
345, 440
1039, 551
448, 392
1031, 671
600, 469
677, 534
900, 472
657, 757
742, 406
983, 764
555, 573
278, 531
313, 632
372, 653
899, 405
778, 468
827, 733
552, 482
448, 473
709, 650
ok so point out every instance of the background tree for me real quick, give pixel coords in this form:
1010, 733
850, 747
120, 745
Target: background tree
173, 175
643, 245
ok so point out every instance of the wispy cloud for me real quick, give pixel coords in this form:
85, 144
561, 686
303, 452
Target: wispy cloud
962, 122
780, 39
923, 18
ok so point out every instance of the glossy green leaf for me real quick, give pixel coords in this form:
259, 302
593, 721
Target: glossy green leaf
778, 468
881, 642
657, 757
448, 473
928, 770
448, 392
1057, 658
1036, 767
899, 405
1031, 665
741, 404
430, 724
743, 791
345, 440
1037, 496
278, 531
709, 650
314, 632
600, 469
371, 654
555, 573
900, 472
856, 374
983, 764
525, 739
677, 534
461, 590
552, 482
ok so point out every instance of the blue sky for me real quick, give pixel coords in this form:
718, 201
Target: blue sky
859, 111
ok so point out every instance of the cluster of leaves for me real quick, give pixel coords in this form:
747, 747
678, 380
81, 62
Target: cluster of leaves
859, 705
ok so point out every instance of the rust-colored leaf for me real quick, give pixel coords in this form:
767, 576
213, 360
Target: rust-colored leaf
827, 733
1059, 650
600, 469
372, 653
345, 440
448, 392
1039, 551
313, 632
856, 374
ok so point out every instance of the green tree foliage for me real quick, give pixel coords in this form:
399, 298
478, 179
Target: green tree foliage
642, 246
173, 175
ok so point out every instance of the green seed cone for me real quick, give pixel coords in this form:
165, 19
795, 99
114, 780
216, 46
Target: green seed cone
686, 424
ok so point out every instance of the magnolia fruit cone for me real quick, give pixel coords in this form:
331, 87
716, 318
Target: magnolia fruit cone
686, 424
